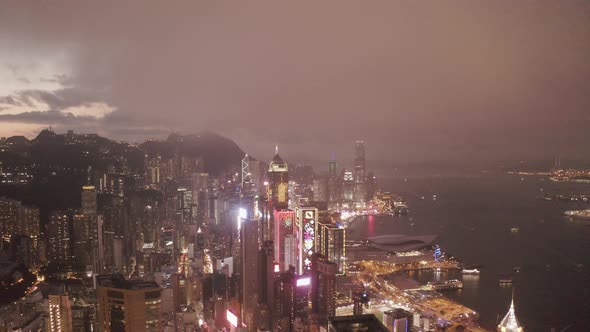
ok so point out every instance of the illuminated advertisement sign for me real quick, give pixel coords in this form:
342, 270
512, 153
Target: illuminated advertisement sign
231, 318
307, 238
283, 221
304, 282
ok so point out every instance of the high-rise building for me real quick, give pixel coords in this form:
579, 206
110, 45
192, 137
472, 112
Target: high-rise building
398, 320
334, 183
323, 283
306, 227
291, 248
82, 239
31, 227
58, 238
370, 186
249, 274
284, 226
359, 193
97, 244
348, 186
278, 176
9, 219
320, 190
302, 303
266, 266
180, 291
89, 200
291, 299
331, 244
359, 161
60, 313
128, 305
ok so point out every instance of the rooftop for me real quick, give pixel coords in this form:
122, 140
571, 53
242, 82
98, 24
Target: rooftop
118, 281
356, 323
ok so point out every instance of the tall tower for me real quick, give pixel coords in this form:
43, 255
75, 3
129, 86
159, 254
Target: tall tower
249, 274
323, 287
331, 244
359, 172
359, 160
278, 175
82, 235
334, 195
266, 267
89, 200
246, 176
58, 238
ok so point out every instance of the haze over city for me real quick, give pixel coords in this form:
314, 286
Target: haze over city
294, 166
420, 81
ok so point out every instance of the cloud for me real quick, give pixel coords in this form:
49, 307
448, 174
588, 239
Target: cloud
415, 80
47, 117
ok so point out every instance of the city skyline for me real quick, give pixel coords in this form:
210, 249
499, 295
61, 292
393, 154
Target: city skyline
294, 166
424, 79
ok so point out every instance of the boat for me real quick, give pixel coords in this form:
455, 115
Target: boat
514, 230
580, 214
505, 280
470, 271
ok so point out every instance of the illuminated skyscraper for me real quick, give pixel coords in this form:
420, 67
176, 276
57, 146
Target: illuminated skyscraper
291, 252
348, 186
331, 244
291, 299
359, 173
249, 274
9, 219
82, 239
128, 305
334, 183
58, 238
180, 291
278, 175
359, 161
306, 228
31, 227
323, 287
60, 314
89, 200
284, 226
266, 266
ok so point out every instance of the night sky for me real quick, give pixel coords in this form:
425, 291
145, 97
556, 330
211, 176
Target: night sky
417, 80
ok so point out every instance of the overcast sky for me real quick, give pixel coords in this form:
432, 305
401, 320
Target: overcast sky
417, 80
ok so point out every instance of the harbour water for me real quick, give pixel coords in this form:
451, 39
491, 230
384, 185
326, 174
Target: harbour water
473, 216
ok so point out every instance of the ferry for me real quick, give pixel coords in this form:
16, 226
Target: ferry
470, 271
505, 280
514, 229
582, 214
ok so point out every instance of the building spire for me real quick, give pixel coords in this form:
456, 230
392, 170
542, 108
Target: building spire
510, 323
277, 149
